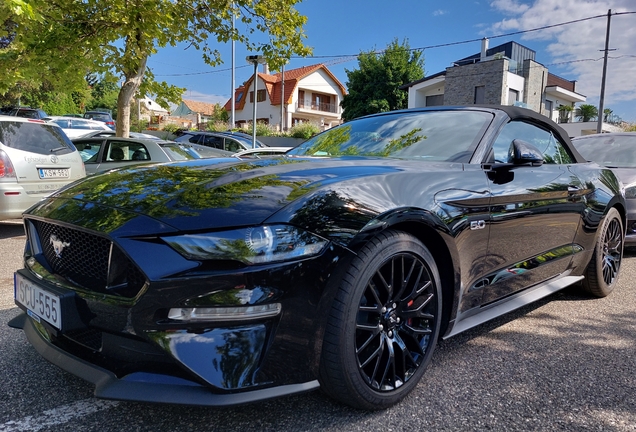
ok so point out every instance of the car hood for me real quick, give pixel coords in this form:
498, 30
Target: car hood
209, 193
626, 175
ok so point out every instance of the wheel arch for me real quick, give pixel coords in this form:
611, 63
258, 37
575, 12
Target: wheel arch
444, 259
424, 226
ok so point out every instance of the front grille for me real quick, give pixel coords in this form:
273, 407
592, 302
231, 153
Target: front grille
88, 261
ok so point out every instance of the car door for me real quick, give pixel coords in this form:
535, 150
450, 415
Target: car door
120, 153
535, 213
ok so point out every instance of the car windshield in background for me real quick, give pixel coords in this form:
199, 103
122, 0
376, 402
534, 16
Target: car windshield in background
178, 152
434, 135
616, 151
35, 137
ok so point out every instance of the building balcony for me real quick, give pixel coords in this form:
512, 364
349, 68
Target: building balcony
310, 105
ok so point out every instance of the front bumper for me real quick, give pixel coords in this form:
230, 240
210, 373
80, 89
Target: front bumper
147, 387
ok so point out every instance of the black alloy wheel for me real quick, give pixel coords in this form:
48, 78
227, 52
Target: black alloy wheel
395, 322
377, 348
602, 271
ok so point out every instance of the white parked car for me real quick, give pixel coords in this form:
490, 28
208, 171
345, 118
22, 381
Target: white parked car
75, 127
36, 159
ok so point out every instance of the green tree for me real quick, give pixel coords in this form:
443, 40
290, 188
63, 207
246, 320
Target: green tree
586, 112
607, 113
60, 42
564, 113
375, 86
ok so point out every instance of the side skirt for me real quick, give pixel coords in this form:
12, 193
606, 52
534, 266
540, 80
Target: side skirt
501, 307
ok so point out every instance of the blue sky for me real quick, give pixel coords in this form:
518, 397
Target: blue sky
339, 30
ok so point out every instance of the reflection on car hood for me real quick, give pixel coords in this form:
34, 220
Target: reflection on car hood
214, 193
626, 175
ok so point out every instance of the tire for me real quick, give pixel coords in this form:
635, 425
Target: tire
602, 271
383, 323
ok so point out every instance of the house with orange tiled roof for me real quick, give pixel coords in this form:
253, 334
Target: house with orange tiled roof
307, 94
194, 112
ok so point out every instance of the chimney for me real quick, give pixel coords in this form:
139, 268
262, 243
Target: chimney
265, 68
484, 48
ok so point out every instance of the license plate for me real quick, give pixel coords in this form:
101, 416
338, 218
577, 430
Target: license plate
47, 173
40, 303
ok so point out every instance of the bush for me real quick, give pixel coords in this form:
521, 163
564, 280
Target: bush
263, 129
171, 127
304, 130
217, 126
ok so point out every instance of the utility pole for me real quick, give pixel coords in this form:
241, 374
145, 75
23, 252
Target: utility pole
282, 99
599, 125
233, 114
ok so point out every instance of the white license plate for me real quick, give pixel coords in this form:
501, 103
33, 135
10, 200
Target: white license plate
40, 303
46, 173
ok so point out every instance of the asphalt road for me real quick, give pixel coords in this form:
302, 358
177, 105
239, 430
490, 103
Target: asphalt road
566, 363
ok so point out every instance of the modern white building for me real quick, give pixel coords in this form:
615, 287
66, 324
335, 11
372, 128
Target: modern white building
503, 75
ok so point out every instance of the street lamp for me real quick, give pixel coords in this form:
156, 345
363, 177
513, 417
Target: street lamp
255, 60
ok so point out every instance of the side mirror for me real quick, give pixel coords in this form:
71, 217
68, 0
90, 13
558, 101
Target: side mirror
524, 153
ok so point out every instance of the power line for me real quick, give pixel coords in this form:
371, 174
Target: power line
479, 40
350, 57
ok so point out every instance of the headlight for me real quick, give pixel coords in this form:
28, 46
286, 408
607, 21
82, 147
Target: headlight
630, 191
255, 245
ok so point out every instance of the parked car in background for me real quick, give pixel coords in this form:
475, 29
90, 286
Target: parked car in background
36, 159
33, 113
618, 152
105, 153
261, 152
110, 132
103, 116
76, 127
221, 140
338, 265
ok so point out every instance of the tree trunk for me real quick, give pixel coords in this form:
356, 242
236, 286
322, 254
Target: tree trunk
126, 94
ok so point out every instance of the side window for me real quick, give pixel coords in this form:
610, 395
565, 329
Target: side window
138, 152
212, 141
554, 152
232, 145
79, 124
117, 151
89, 150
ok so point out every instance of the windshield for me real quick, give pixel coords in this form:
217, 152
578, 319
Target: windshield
615, 151
178, 152
450, 135
35, 138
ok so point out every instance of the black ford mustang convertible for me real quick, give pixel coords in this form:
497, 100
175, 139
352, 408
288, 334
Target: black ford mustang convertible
338, 265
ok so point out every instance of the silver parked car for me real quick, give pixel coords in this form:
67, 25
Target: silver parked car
105, 153
618, 152
36, 159
77, 127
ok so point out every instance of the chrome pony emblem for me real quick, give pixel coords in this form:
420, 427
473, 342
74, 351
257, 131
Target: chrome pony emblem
58, 245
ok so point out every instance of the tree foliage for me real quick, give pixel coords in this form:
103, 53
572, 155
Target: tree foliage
586, 112
375, 86
61, 42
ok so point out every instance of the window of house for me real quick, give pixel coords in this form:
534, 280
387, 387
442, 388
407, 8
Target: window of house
513, 96
260, 95
251, 97
480, 94
435, 100
548, 108
322, 102
239, 96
